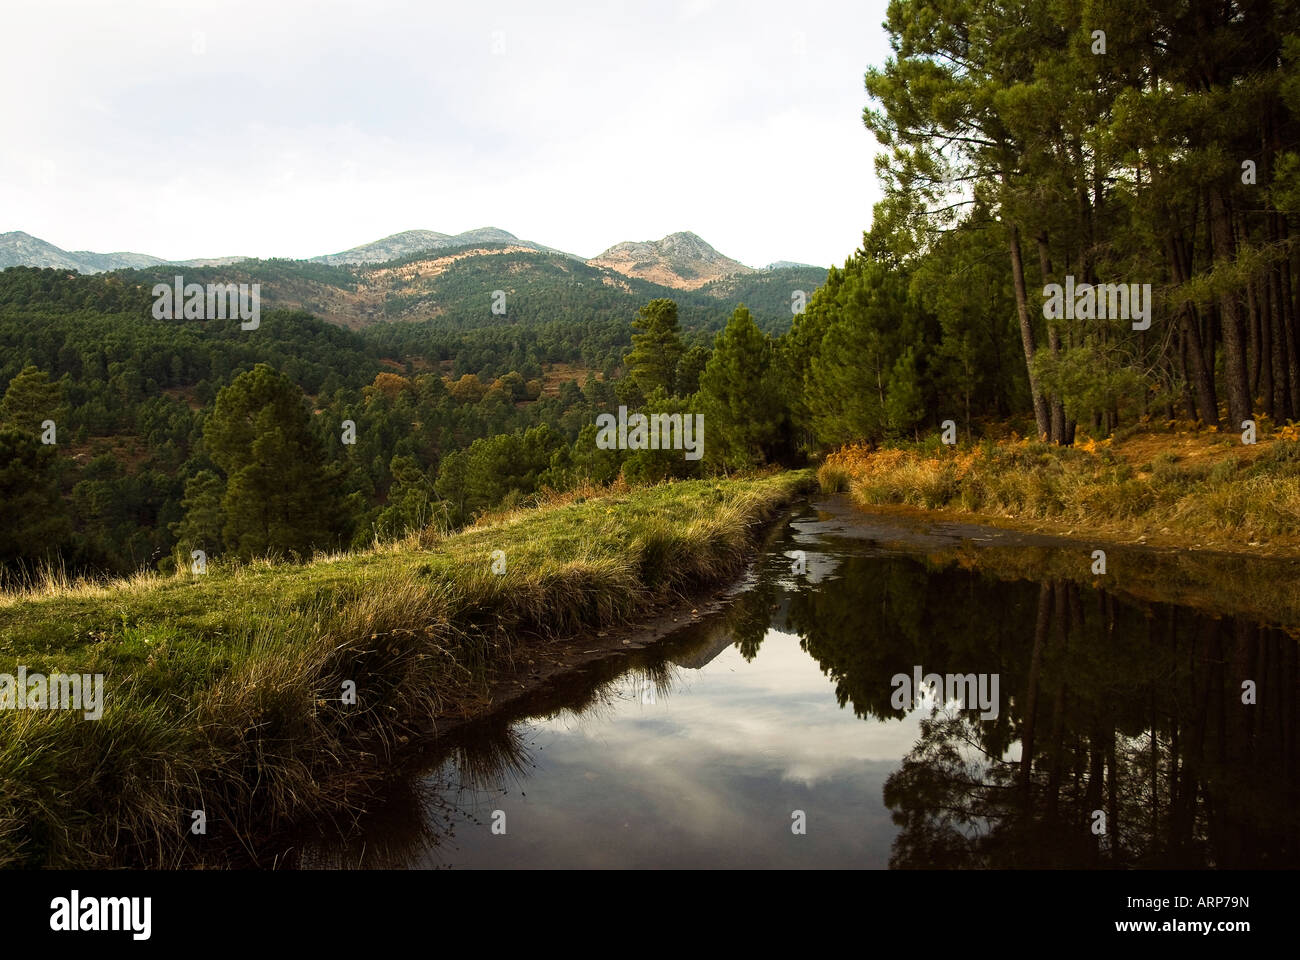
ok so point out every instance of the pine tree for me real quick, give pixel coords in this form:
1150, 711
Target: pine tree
34, 521
588, 462
744, 415
657, 349
689, 369
280, 498
201, 527
864, 381
30, 399
412, 502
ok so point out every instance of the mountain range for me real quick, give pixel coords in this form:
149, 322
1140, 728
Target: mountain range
19, 249
410, 242
679, 261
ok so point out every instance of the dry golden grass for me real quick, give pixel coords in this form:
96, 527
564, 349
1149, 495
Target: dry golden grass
1201, 488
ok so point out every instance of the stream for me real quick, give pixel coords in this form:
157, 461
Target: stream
787, 730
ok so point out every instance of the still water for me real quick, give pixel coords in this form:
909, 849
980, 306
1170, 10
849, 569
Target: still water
771, 734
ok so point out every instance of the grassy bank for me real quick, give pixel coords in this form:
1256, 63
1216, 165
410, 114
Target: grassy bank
1201, 490
226, 691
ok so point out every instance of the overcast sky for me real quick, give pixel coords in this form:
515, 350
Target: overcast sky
187, 129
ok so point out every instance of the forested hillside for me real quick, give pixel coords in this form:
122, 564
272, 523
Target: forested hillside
1088, 222
375, 431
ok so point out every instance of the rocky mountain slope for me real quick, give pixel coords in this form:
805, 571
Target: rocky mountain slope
681, 261
411, 242
423, 274
22, 249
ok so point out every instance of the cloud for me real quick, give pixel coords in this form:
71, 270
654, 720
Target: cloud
203, 129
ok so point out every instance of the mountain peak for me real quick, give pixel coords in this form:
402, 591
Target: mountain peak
18, 248
681, 260
410, 242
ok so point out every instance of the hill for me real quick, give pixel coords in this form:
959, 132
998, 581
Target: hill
451, 290
424, 274
411, 242
680, 261
22, 249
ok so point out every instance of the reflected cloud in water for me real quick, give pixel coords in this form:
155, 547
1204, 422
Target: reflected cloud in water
696, 753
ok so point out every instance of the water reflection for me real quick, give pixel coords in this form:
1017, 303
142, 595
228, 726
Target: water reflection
1113, 707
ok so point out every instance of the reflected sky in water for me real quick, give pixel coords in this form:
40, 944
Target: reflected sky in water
697, 751
707, 775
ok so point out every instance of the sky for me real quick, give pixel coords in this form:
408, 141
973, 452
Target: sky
293, 129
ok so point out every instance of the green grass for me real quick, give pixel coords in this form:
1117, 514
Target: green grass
224, 690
